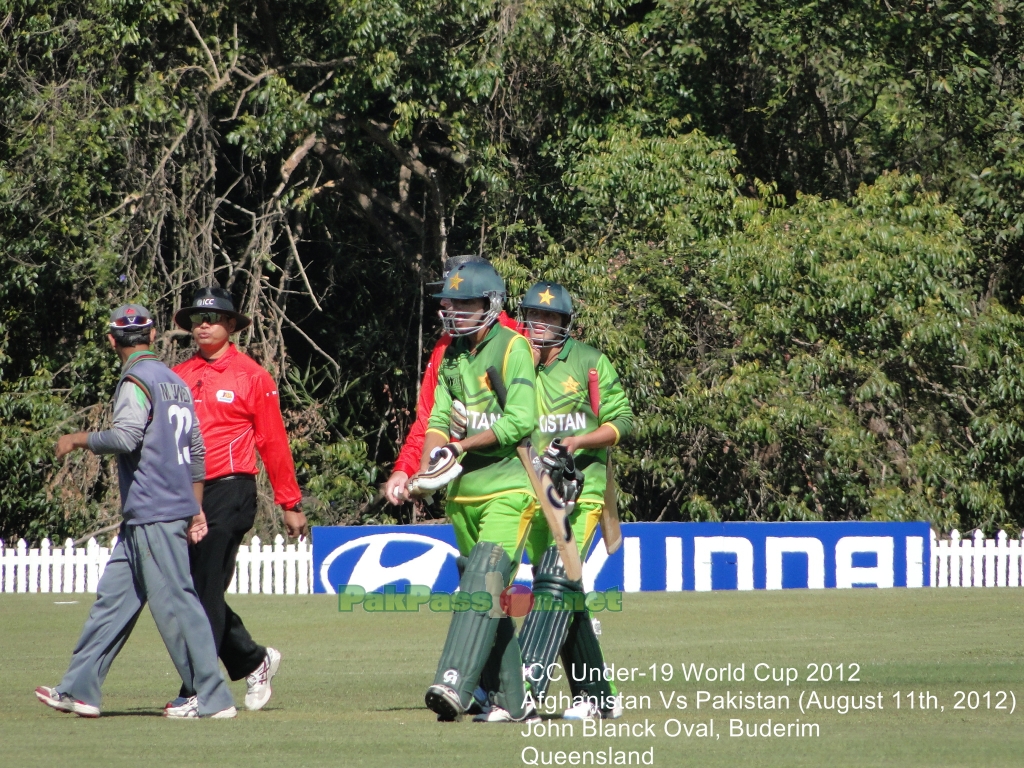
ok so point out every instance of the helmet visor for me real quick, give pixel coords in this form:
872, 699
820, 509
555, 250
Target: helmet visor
461, 323
546, 334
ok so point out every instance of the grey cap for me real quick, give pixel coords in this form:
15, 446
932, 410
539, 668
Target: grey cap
129, 316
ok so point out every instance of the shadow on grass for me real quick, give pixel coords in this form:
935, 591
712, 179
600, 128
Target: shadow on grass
134, 713
400, 709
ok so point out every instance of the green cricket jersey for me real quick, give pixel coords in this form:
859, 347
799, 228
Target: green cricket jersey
564, 408
463, 376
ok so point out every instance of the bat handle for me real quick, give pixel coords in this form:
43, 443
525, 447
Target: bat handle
594, 389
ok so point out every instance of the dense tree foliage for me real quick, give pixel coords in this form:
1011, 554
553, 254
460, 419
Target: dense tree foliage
795, 227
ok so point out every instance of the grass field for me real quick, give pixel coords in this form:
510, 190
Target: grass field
350, 691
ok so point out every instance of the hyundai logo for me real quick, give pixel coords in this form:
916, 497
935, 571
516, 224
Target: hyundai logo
371, 574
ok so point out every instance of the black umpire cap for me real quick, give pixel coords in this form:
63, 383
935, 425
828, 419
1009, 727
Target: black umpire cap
214, 299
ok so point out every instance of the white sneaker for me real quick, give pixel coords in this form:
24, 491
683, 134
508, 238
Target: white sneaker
588, 710
615, 712
224, 714
498, 714
65, 702
257, 684
583, 710
182, 707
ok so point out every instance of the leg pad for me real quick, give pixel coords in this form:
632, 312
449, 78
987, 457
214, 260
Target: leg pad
546, 627
471, 634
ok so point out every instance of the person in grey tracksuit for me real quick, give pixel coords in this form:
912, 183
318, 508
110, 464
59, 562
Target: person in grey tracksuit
160, 462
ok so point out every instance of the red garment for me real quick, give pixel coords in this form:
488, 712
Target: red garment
239, 412
409, 457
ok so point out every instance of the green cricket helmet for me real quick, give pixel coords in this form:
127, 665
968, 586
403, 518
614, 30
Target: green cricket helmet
549, 297
471, 280
450, 265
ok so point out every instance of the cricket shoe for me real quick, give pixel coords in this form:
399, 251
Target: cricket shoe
182, 707
257, 684
445, 702
498, 714
588, 710
65, 702
224, 714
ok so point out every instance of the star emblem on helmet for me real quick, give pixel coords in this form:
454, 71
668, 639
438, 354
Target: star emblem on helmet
547, 297
455, 282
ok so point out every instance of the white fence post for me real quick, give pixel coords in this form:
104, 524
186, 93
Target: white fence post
45, 553
1014, 557
305, 566
956, 560
22, 567
266, 580
1002, 550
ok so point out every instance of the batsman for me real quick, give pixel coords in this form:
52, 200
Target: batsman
582, 413
485, 404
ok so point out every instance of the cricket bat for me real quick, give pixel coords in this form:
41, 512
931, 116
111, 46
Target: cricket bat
610, 530
550, 503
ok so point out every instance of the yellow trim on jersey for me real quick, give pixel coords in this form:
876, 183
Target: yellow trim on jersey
618, 435
593, 518
508, 351
523, 534
488, 497
438, 432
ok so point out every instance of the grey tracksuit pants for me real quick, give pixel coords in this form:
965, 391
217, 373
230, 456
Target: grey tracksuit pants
150, 562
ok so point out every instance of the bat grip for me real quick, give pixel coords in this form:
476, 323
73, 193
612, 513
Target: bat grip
594, 388
498, 386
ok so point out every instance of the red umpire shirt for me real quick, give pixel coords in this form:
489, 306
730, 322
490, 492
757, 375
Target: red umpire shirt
239, 413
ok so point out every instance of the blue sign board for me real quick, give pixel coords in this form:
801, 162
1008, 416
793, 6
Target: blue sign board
654, 557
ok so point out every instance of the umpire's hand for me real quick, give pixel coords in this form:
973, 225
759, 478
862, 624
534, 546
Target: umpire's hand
197, 528
295, 523
395, 488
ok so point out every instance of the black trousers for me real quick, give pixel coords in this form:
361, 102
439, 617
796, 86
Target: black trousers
230, 507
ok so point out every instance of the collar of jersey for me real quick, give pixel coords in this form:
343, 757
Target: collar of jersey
464, 341
565, 349
134, 357
221, 363
562, 356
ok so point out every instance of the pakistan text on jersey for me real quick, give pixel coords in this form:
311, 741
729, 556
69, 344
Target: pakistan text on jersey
177, 392
482, 420
562, 422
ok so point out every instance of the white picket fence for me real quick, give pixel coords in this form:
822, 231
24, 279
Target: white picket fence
268, 569
287, 569
977, 561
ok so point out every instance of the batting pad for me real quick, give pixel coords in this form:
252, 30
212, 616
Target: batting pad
584, 663
547, 626
502, 677
471, 634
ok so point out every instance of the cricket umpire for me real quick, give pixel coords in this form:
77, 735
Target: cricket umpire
159, 450
237, 403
